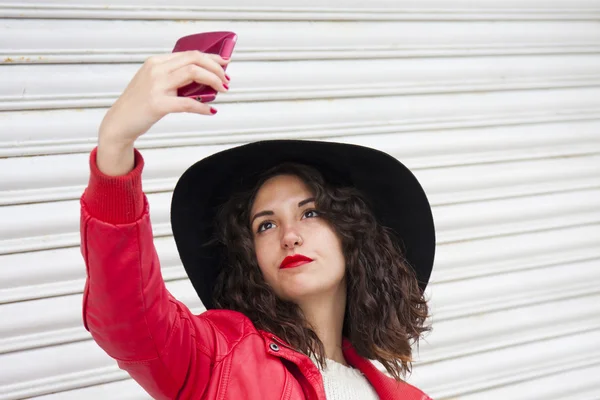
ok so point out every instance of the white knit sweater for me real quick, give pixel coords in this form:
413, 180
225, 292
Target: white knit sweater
346, 383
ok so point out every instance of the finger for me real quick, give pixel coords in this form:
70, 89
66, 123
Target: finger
187, 105
218, 65
216, 57
212, 62
193, 73
219, 60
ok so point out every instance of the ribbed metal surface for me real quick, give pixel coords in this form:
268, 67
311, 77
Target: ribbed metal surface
494, 104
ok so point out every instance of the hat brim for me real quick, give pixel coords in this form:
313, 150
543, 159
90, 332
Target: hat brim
396, 197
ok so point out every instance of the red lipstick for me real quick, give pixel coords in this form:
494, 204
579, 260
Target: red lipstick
294, 261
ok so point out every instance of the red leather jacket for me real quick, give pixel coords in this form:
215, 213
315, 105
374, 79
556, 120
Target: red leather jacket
170, 352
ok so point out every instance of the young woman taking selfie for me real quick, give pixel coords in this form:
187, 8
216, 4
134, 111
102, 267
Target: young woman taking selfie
310, 257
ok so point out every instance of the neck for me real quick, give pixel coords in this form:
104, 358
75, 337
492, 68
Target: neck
326, 313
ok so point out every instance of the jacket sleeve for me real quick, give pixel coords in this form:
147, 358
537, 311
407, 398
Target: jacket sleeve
126, 306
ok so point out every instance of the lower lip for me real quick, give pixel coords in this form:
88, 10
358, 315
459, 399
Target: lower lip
295, 264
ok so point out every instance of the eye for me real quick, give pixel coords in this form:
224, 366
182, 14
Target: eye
311, 214
264, 226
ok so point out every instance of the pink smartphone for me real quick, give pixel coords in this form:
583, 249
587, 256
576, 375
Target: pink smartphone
221, 43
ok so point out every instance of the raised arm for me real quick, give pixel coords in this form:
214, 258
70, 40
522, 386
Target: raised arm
126, 306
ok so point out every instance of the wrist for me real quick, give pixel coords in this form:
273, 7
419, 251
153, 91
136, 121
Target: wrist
115, 199
110, 137
114, 158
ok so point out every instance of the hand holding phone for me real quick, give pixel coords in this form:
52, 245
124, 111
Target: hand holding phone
221, 43
162, 86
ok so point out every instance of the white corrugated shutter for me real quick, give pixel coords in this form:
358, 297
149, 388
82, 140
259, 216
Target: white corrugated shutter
494, 104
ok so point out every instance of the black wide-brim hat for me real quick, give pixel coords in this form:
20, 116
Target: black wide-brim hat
395, 195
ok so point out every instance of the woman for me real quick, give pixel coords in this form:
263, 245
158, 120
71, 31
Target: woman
284, 242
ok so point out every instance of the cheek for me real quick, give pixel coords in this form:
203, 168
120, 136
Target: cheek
332, 245
264, 256
340, 258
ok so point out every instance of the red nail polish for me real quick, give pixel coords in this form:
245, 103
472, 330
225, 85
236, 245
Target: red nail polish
227, 77
213, 110
226, 86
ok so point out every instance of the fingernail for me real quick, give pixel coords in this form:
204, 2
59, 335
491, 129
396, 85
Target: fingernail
226, 86
225, 58
213, 110
227, 77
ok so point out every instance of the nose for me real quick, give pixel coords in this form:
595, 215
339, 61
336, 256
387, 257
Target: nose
291, 238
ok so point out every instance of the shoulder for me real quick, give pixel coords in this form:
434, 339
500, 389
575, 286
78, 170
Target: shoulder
420, 395
230, 327
412, 392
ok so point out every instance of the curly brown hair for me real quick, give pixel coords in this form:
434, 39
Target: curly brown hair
385, 308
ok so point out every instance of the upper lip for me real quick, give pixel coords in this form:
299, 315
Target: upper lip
294, 258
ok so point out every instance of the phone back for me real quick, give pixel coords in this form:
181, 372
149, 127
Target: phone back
221, 43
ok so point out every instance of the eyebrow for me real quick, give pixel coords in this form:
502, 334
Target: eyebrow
268, 212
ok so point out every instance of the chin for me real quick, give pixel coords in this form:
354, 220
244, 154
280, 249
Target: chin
297, 291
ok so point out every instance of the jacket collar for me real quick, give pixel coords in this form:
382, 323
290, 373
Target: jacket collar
387, 388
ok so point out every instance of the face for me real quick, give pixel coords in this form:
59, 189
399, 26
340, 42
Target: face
285, 223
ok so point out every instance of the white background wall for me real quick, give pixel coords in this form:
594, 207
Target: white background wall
494, 104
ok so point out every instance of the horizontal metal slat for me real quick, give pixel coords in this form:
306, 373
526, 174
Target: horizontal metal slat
27, 277
59, 320
126, 389
26, 87
570, 384
504, 254
457, 222
133, 41
476, 296
308, 10
462, 376
81, 364
479, 333
339, 118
